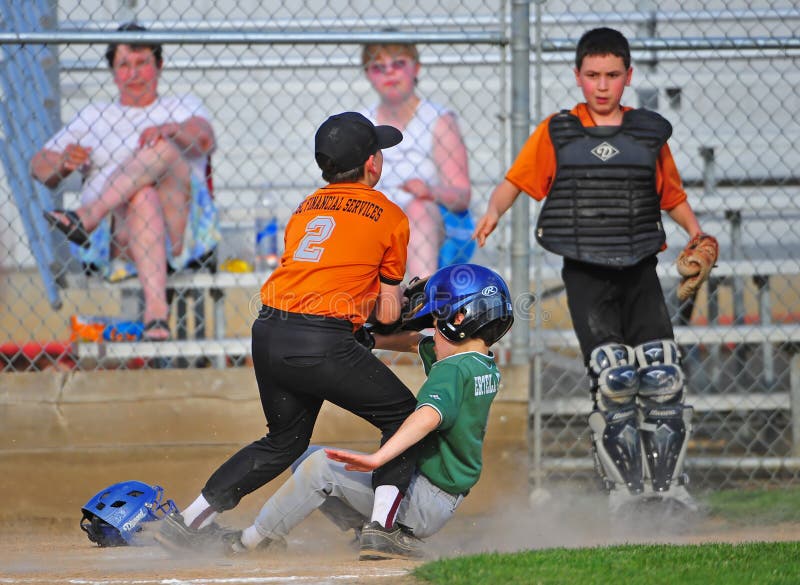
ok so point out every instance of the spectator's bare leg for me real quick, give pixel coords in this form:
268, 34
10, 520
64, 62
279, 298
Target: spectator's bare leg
427, 235
151, 193
145, 234
148, 166
174, 193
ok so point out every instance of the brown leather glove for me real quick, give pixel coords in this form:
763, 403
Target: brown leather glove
695, 263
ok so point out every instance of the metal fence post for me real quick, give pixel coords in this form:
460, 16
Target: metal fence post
765, 314
709, 190
794, 401
520, 129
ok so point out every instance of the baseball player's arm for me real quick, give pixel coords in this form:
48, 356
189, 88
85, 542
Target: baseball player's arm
402, 341
684, 216
390, 303
421, 422
501, 200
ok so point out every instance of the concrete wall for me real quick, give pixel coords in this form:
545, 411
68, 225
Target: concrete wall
65, 436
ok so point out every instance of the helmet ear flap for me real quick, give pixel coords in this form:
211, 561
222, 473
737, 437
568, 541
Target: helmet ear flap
447, 326
101, 532
488, 315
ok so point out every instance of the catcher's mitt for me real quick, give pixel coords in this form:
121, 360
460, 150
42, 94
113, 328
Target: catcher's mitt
415, 293
695, 263
413, 300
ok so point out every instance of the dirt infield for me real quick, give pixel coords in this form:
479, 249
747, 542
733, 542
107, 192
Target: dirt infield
63, 438
40, 552
42, 491
57, 554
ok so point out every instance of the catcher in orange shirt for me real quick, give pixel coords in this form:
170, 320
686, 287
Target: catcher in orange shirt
607, 173
344, 260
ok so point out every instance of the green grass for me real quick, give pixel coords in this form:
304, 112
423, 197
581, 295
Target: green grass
768, 563
728, 564
757, 507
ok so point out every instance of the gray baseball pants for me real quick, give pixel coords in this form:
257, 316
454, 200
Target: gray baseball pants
346, 497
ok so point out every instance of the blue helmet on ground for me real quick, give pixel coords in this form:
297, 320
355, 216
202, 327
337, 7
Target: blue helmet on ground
477, 292
115, 515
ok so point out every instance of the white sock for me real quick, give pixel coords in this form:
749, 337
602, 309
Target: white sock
251, 537
384, 509
199, 513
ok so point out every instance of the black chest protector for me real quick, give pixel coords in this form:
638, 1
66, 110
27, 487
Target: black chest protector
603, 207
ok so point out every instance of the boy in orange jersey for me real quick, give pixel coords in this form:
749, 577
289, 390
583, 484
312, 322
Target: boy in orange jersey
607, 172
345, 258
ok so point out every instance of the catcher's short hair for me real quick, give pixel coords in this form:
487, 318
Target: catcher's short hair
603, 41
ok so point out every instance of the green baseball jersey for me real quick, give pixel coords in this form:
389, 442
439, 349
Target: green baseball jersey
461, 388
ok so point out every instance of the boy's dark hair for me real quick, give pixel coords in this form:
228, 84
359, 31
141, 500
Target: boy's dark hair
490, 332
331, 174
156, 48
603, 41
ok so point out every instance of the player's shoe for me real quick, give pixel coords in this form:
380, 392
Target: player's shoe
232, 544
676, 498
621, 502
378, 543
673, 511
174, 535
679, 497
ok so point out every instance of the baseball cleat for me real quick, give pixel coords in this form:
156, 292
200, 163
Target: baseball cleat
174, 535
232, 544
379, 543
681, 498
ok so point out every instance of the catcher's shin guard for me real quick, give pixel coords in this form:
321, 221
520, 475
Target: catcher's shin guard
617, 445
664, 421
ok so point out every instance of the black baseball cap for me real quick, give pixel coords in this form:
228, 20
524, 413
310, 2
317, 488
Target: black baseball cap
349, 139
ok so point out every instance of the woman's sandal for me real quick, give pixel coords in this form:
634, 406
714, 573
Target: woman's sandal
73, 228
153, 326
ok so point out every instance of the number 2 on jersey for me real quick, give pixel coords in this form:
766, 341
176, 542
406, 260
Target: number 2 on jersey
318, 230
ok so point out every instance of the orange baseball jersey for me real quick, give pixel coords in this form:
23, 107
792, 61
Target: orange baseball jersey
535, 167
341, 242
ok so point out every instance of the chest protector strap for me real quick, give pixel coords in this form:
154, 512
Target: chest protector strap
603, 207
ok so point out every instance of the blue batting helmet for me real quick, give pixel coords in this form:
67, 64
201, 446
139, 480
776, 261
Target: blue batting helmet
480, 294
114, 515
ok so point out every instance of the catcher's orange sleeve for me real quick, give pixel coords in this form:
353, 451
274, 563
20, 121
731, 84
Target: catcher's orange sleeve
534, 169
341, 242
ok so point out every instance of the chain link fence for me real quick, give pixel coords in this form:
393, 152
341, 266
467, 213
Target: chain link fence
267, 77
725, 74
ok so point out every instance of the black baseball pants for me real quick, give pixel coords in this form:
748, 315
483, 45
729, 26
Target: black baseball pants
610, 305
300, 361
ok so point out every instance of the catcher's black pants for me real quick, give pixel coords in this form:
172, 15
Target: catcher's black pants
300, 361
610, 305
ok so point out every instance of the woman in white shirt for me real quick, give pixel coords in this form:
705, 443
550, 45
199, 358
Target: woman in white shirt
427, 174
